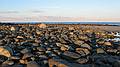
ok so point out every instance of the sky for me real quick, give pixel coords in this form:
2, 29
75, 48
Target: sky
60, 10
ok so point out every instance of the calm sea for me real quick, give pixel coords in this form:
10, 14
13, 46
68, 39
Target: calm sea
108, 23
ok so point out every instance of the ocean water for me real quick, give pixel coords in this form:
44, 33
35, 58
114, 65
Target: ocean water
104, 23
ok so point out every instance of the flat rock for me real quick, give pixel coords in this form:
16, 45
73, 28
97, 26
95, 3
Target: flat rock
108, 44
85, 45
8, 63
71, 55
55, 63
100, 50
32, 64
82, 51
82, 60
6, 51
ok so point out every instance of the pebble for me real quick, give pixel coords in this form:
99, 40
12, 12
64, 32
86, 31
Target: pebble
71, 55
100, 51
32, 64
6, 51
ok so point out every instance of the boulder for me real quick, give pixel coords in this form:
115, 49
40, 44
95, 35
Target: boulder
6, 51
100, 51
32, 64
70, 55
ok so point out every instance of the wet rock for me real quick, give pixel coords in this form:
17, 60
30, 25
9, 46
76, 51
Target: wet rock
82, 51
78, 42
86, 46
49, 49
20, 37
32, 64
27, 55
12, 29
107, 44
15, 57
55, 63
42, 25
23, 61
100, 51
6, 51
70, 55
43, 57
100, 42
82, 60
63, 48
38, 32
112, 51
59, 44
18, 65
35, 44
3, 59
25, 51
8, 63
41, 49
116, 64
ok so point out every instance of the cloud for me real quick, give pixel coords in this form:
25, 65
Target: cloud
8, 12
37, 11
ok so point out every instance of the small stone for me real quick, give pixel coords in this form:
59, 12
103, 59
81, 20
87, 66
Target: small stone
82, 60
43, 57
6, 51
24, 51
55, 63
23, 61
15, 57
107, 44
86, 46
8, 63
41, 49
38, 32
59, 44
19, 37
82, 51
32, 64
35, 44
100, 51
78, 42
12, 29
112, 51
116, 64
42, 25
63, 48
49, 49
71, 55
27, 55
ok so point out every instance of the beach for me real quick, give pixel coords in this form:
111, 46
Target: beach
59, 45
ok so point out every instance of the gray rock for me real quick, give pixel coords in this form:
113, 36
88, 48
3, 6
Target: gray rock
116, 64
85, 45
6, 51
100, 50
82, 60
112, 51
25, 51
82, 51
71, 55
41, 49
8, 63
32, 64
27, 55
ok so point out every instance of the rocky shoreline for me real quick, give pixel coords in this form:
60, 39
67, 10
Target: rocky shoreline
55, 45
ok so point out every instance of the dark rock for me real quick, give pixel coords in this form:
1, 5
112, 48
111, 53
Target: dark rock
32, 64
116, 64
100, 51
82, 51
70, 55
